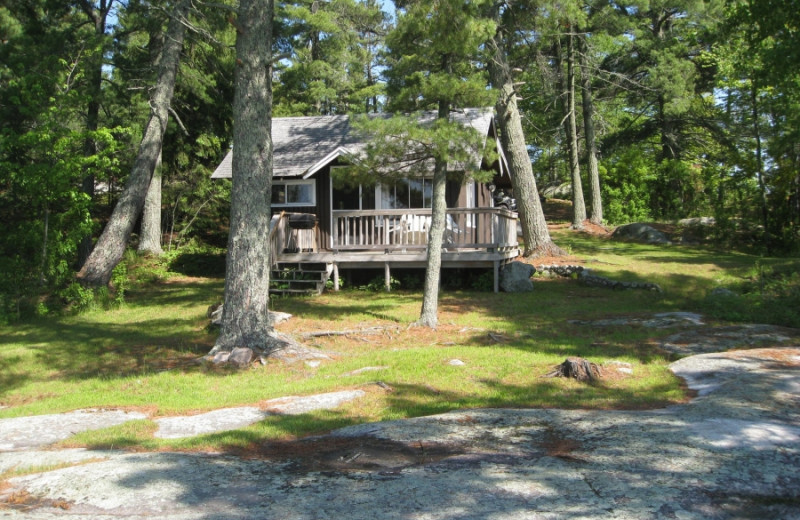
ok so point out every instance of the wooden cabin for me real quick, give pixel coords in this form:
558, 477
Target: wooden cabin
322, 225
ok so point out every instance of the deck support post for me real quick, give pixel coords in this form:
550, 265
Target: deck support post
387, 275
336, 277
496, 276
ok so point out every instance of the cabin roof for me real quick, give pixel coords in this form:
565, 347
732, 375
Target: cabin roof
304, 145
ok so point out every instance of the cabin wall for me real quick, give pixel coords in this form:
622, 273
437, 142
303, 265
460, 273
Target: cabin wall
482, 197
322, 209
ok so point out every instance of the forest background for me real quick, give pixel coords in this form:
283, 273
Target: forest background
695, 106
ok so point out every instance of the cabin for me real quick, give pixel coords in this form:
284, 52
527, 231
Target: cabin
323, 225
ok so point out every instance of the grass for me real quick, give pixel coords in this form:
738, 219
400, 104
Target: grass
143, 354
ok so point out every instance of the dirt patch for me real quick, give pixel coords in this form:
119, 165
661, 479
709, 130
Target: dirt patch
782, 357
23, 501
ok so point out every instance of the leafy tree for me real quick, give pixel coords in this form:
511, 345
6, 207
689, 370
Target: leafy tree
43, 136
111, 245
756, 58
433, 51
98, 44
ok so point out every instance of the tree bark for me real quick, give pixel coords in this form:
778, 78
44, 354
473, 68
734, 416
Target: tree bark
245, 316
535, 235
589, 136
111, 245
150, 235
430, 299
571, 131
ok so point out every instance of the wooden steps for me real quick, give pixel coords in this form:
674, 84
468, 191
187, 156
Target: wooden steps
299, 277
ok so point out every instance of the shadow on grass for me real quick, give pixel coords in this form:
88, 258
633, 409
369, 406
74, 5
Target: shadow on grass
542, 393
95, 344
347, 303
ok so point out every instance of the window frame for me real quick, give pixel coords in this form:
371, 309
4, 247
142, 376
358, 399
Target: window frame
299, 182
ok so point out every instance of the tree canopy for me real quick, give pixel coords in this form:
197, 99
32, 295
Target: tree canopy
693, 108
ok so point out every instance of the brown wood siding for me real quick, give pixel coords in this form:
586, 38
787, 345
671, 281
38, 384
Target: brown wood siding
323, 178
483, 199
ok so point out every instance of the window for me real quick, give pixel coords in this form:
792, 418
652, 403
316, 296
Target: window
347, 194
407, 193
294, 193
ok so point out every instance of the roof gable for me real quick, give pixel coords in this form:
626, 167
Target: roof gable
304, 145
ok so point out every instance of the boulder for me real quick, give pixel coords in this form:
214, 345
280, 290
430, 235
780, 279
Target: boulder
697, 221
557, 191
640, 233
722, 292
516, 277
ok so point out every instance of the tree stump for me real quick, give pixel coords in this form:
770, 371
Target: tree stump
577, 368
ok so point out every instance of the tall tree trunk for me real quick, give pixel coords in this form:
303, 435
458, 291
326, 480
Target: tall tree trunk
110, 246
571, 131
150, 235
430, 299
591, 147
756, 113
95, 78
535, 234
245, 315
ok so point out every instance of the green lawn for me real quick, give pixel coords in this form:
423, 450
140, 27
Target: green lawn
143, 354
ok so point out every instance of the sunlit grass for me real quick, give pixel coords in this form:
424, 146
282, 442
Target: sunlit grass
490, 350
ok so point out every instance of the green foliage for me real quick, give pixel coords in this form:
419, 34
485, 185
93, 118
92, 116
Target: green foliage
767, 297
378, 284
197, 259
483, 282
332, 64
120, 282
404, 146
78, 298
625, 183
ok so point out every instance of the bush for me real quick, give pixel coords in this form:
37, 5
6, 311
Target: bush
196, 259
78, 298
767, 297
378, 284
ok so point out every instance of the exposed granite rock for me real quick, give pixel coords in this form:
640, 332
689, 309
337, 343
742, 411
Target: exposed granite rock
516, 277
640, 233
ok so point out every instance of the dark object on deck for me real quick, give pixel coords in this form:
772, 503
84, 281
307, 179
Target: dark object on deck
302, 221
577, 368
502, 200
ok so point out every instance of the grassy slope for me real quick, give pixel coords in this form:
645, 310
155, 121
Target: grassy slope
141, 355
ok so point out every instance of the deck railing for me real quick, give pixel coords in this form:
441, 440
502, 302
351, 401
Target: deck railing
277, 237
407, 229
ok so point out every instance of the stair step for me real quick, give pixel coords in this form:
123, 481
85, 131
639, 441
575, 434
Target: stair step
299, 278
293, 291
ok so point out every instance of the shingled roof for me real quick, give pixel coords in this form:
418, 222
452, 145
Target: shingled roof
303, 145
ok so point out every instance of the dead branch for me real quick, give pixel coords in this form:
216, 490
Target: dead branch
361, 332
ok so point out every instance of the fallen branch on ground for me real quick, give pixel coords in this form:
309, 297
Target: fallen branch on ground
360, 332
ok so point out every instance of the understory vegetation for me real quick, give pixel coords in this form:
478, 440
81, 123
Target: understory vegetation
140, 349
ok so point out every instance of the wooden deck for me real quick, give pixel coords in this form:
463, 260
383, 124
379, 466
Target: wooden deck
474, 237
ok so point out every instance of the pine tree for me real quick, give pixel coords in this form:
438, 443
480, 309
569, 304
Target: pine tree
535, 234
433, 51
245, 317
